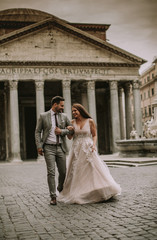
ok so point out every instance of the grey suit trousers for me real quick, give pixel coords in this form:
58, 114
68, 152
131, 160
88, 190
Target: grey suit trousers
54, 156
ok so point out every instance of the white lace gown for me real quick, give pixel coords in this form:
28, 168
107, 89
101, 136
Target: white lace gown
88, 179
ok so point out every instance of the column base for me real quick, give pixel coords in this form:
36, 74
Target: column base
15, 160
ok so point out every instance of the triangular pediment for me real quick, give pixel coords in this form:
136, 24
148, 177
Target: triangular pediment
54, 40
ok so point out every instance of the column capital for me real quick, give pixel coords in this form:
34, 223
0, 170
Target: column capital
39, 85
113, 85
91, 85
136, 84
66, 84
120, 91
13, 84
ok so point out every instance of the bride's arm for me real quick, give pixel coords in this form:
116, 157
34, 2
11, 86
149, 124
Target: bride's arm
70, 136
94, 133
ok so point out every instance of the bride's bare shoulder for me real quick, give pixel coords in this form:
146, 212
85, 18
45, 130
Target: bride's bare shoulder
91, 121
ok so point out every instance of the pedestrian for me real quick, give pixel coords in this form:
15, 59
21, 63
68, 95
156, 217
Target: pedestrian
88, 179
50, 139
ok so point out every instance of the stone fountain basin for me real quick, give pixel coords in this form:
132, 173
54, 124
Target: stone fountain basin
137, 147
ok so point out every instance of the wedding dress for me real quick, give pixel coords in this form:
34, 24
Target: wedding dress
88, 179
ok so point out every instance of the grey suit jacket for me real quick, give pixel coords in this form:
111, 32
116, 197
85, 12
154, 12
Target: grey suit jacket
44, 125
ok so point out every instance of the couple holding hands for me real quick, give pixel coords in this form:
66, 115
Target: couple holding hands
85, 178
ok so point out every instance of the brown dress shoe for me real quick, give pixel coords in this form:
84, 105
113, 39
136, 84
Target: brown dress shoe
53, 201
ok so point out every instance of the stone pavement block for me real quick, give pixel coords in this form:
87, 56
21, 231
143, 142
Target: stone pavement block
148, 236
120, 236
1, 234
32, 237
73, 238
44, 236
128, 238
10, 238
153, 224
57, 236
87, 238
153, 232
9, 234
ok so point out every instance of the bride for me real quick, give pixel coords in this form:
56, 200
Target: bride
88, 179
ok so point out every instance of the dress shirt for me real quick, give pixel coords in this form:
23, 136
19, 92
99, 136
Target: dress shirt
52, 136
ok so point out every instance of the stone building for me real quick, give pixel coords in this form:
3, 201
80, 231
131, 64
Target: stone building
42, 56
148, 91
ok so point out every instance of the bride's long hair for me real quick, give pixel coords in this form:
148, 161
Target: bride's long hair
82, 110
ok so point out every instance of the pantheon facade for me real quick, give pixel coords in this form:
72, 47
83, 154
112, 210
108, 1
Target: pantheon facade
42, 56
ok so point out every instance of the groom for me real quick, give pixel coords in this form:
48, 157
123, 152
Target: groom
50, 139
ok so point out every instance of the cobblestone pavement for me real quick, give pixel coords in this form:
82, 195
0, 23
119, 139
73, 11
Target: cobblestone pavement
25, 212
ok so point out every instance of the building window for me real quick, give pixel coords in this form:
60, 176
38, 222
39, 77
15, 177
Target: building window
144, 96
144, 80
152, 91
145, 111
152, 75
142, 112
148, 78
141, 96
149, 94
149, 109
152, 110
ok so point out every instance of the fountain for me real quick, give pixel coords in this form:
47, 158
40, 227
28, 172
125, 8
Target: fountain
137, 146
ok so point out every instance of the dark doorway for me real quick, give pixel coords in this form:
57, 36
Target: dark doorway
30, 124
103, 118
2, 123
51, 89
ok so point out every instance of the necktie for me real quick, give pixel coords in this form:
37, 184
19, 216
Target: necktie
57, 136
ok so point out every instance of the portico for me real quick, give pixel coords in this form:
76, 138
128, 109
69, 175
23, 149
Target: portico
75, 64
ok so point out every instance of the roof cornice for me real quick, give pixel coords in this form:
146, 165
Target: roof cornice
23, 31
91, 26
98, 42
49, 63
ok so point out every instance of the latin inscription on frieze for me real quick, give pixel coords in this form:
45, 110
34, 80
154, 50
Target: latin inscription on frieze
53, 71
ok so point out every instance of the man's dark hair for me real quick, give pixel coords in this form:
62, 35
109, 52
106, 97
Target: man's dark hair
57, 100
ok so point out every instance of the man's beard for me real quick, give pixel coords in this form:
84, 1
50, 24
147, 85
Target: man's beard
60, 110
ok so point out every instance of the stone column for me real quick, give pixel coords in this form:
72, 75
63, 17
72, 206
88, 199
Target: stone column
14, 123
91, 99
114, 114
7, 118
137, 108
66, 87
128, 111
40, 103
121, 112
